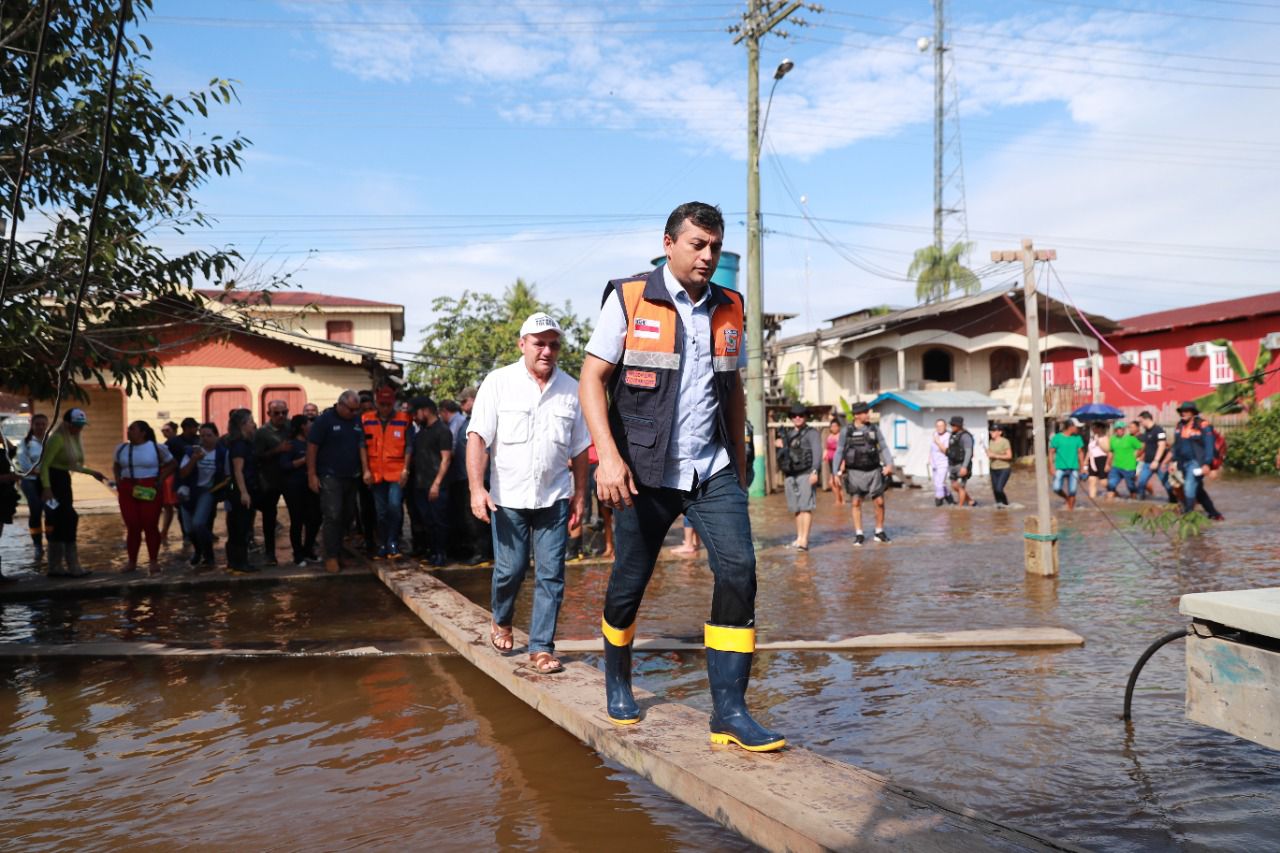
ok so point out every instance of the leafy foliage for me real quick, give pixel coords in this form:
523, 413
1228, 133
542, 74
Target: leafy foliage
1170, 521
477, 332
1242, 393
155, 165
937, 272
1253, 447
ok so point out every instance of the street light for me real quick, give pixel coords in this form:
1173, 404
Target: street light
783, 68
755, 297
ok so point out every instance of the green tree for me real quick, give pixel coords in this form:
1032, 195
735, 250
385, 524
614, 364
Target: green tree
155, 165
1253, 447
937, 272
1243, 392
477, 332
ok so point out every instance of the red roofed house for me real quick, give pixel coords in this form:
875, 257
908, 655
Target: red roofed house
301, 347
1155, 361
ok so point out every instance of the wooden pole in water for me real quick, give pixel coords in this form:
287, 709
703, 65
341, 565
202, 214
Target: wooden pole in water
1042, 542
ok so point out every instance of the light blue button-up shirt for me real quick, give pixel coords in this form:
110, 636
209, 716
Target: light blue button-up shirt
693, 448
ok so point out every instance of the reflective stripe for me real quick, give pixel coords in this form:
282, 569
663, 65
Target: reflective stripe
724, 363
661, 360
724, 639
614, 637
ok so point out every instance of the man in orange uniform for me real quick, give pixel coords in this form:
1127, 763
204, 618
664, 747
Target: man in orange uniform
385, 459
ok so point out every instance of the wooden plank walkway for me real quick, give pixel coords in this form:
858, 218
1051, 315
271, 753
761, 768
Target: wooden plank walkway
295, 649
790, 800
1012, 638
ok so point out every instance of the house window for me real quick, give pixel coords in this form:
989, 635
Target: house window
872, 370
1150, 361
1220, 372
900, 434
1046, 373
342, 331
937, 365
1083, 374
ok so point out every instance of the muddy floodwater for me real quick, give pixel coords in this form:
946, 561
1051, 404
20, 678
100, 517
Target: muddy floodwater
408, 751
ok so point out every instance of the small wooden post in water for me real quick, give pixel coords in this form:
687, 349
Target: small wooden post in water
1041, 534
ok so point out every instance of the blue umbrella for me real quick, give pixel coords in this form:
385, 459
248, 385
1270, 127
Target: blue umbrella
1097, 412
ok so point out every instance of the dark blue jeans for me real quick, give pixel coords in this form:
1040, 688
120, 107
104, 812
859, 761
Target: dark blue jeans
514, 531
1000, 479
389, 508
717, 508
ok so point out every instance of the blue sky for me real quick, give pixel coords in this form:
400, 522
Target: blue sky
406, 150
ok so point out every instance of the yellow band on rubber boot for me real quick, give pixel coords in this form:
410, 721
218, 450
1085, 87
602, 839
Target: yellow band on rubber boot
615, 637
724, 639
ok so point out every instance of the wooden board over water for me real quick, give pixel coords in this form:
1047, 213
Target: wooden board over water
1014, 638
790, 800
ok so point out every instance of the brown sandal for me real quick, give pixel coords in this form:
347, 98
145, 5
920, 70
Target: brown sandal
500, 637
545, 663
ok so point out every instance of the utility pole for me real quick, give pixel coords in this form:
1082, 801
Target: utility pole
939, 49
761, 17
1041, 534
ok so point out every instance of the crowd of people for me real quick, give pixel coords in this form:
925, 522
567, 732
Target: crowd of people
356, 469
1101, 456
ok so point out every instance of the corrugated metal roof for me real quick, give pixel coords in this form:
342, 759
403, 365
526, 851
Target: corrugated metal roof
917, 400
1202, 315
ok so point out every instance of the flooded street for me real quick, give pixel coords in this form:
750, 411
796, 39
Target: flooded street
341, 752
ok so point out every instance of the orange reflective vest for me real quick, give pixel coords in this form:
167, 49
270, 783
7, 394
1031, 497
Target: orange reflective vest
645, 385
385, 444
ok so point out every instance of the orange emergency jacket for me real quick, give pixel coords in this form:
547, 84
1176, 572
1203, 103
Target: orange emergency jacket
645, 385
385, 444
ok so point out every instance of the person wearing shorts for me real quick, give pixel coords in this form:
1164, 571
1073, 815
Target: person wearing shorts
799, 452
864, 465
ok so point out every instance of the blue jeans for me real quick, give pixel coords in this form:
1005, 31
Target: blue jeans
514, 530
1069, 477
1115, 475
197, 519
1193, 488
717, 509
1145, 470
390, 512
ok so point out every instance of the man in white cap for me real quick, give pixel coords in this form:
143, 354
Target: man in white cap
528, 418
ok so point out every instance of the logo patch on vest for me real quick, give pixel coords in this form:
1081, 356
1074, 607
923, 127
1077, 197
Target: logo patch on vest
640, 378
646, 329
730, 341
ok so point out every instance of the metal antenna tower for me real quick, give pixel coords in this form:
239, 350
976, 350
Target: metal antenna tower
947, 149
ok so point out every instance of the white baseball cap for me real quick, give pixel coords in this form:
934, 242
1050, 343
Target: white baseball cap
539, 322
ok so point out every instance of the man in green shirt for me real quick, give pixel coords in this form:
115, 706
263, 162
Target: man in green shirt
1123, 460
1068, 460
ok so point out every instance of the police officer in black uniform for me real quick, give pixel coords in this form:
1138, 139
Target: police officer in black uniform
865, 465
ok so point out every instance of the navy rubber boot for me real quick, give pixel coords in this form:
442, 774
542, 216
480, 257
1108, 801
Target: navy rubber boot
729, 672
619, 703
